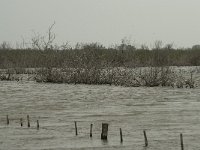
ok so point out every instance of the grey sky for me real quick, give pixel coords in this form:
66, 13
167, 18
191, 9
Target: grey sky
104, 21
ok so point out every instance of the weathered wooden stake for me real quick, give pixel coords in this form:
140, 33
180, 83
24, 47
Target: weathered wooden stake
104, 133
181, 138
28, 120
91, 130
145, 138
121, 137
7, 120
21, 122
38, 125
76, 128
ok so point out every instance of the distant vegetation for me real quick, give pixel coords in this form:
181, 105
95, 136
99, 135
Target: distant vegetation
90, 55
93, 63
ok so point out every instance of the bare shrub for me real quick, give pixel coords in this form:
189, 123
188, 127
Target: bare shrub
157, 76
154, 76
190, 82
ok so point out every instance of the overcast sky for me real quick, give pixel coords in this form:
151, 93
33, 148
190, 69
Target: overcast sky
104, 21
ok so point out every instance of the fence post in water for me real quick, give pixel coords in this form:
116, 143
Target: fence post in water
38, 125
76, 130
181, 138
7, 120
121, 137
28, 120
145, 138
104, 133
91, 130
21, 122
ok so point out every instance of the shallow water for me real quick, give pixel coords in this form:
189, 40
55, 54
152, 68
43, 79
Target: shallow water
163, 112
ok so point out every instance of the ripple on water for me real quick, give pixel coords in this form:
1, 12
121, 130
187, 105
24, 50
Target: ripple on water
163, 112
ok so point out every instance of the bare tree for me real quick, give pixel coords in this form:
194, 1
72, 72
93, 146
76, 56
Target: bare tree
158, 45
126, 44
5, 45
169, 46
65, 46
36, 41
48, 44
195, 47
44, 42
144, 47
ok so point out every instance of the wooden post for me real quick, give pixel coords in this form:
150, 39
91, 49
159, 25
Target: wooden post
145, 138
28, 120
121, 136
181, 138
91, 130
21, 122
104, 133
7, 120
38, 126
76, 130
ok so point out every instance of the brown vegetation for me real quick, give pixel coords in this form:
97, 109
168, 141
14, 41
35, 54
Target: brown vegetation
95, 64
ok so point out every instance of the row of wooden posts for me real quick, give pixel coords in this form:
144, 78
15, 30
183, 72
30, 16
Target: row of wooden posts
104, 133
21, 122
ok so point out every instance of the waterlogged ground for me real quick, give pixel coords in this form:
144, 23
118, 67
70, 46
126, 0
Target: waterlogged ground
163, 112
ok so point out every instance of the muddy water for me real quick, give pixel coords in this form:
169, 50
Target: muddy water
163, 112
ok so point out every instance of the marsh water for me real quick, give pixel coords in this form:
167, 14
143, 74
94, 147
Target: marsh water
163, 112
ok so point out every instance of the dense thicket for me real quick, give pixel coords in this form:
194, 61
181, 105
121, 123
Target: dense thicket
101, 57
